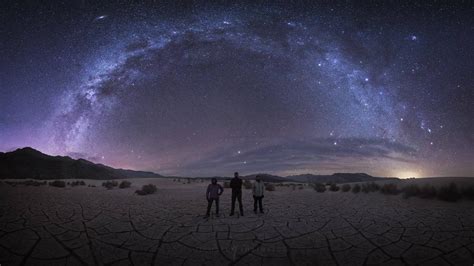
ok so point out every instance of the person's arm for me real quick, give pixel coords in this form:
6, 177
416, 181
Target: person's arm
254, 188
220, 191
208, 191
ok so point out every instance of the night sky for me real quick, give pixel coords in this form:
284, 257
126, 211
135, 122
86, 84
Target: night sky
197, 90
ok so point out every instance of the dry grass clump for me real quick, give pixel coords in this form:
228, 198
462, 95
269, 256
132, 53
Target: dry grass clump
125, 184
78, 183
356, 188
110, 184
57, 183
319, 187
428, 192
270, 187
449, 193
370, 187
411, 191
390, 189
333, 187
468, 193
147, 189
345, 188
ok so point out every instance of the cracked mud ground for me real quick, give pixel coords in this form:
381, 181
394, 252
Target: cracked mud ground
94, 226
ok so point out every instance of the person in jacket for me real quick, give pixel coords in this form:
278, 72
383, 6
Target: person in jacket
236, 185
257, 191
213, 192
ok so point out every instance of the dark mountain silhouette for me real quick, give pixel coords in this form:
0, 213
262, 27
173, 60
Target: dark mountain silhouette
29, 163
267, 178
336, 178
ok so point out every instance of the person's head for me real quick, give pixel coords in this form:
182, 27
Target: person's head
236, 174
258, 178
214, 180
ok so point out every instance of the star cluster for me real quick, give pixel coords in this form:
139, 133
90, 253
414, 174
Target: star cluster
207, 90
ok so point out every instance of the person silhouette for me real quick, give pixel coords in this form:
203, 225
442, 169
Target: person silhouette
236, 185
257, 191
213, 192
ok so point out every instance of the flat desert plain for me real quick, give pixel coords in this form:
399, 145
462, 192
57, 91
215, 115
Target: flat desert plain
92, 225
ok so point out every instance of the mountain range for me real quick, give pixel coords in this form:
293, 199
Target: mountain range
28, 163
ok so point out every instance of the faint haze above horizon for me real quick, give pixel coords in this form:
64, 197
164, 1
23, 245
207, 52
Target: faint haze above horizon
203, 89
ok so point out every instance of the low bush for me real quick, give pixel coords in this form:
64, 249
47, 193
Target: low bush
319, 187
346, 187
333, 187
226, 184
247, 184
125, 184
78, 183
370, 187
411, 191
365, 188
57, 183
110, 184
300, 186
449, 193
147, 189
390, 189
356, 188
428, 192
373, 187
468, 193
31, 183
270, 187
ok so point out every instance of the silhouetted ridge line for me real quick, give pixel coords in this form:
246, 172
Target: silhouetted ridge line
28, 163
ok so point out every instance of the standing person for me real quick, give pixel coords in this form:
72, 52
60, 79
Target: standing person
213, 192
236, 185
257, 191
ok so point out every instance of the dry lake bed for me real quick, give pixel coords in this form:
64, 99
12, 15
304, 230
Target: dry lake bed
95, 226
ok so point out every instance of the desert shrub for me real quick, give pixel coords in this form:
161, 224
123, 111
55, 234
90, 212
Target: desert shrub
270, 187
319, 187
110, 184
390, 189
147, 189
226, 184
370, 187
78, 183
373, 187
428, 192
468, 193
346, 187
334, 187
247, 184
57, 183
411, 191
365, 188
31, 183
449, 193
125, 184
300, 186
356, 188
